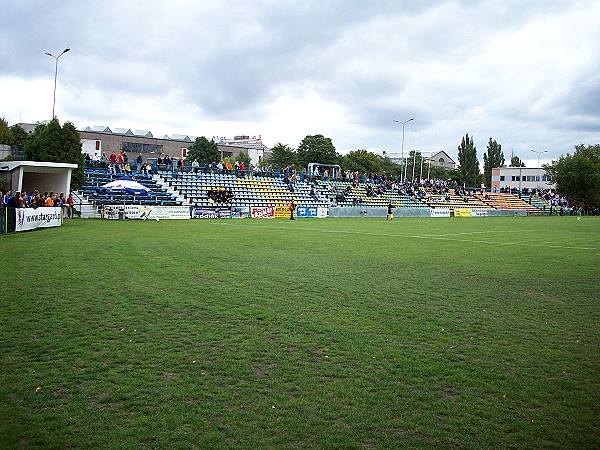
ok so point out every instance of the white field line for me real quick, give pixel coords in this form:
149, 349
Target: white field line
427, 236
472, 232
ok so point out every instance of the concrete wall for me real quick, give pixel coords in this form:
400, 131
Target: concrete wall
376, 212
46, 182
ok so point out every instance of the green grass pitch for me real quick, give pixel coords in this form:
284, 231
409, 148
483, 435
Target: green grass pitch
332, 333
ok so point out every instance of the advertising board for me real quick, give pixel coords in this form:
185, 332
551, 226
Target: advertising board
265, 212
32, 218
439, 212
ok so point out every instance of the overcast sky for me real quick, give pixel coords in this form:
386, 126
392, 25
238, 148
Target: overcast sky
526, 73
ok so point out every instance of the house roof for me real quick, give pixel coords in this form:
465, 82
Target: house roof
125, 131
442, 153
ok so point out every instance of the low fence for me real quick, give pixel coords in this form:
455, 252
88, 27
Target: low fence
141, 212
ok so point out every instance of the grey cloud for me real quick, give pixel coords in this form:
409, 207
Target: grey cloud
378, 60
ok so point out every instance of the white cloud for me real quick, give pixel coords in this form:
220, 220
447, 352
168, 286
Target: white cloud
523, 73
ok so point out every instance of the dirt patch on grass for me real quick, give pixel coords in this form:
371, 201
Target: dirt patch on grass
170, 376
264, 371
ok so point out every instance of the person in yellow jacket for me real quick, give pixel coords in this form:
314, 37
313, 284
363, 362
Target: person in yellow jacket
390, 212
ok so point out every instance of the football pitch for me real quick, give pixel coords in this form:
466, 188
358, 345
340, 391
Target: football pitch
318, 333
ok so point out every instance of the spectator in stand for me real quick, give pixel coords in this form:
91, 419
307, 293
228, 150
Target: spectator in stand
228, 167
180, 165
49, 200
120, 159
127, 168
11, 202
70, 206
138, 163
195, 165
20, 200
6, 198
112, 161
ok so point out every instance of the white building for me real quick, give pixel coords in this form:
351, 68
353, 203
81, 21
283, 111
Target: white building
436, 158
521, 178
252, 145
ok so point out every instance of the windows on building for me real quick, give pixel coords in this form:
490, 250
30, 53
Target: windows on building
138, 147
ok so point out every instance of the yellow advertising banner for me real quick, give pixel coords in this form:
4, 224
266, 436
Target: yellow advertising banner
282, 211
462, 212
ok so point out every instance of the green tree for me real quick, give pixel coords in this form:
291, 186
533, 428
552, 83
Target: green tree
362, 161
55, 143
6, 135
282, 155
441, 173
243, 157
20, 137
578, 175
389, 167
469, 164
204, 151
414, 157
317, 149
515, 161
493, 157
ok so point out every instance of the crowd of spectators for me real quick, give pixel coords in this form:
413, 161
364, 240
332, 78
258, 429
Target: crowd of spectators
220, 195
37, 199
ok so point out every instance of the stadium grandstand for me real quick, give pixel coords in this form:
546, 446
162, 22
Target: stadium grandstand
96, 178
246, 189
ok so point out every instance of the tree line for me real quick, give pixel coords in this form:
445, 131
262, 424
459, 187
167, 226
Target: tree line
576, 175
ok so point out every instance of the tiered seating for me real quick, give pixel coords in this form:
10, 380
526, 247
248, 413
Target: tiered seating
506, 201
452, 201
353, 196
98, 177
248, 191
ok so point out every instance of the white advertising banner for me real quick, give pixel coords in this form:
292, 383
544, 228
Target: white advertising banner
439, 212
32, 218
143, 212
479, 213
322, 212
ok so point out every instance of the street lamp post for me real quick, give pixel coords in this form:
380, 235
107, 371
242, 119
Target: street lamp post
539, 171
402, 154
55, 74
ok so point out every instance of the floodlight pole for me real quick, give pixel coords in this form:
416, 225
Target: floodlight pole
539, 153
55, 75
429, 167
402, 154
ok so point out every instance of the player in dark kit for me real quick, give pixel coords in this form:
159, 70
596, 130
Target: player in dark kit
390, 214
292, 208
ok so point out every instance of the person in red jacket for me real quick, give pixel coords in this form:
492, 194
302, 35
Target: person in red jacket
112, 159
